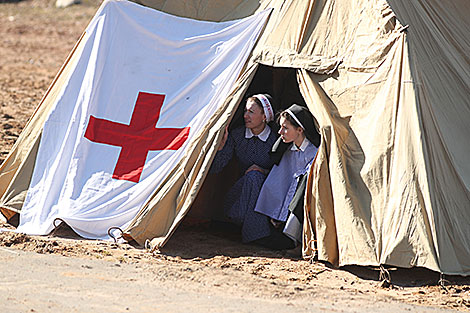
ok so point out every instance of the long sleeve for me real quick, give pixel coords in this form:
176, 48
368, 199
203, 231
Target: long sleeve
281, 183
223, 156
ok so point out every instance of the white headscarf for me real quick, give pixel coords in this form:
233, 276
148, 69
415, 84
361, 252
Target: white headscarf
267, 107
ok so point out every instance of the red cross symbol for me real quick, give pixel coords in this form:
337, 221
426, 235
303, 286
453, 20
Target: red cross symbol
137, 138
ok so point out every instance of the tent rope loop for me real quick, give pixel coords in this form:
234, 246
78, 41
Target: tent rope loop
443, 282
110, 234
149, 247
385, 277
57, 219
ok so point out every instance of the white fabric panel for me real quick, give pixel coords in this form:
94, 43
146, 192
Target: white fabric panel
129, 49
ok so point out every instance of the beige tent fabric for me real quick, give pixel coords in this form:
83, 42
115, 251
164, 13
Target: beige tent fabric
364, 157
319, 214
400, 197
319, 35
390, 183
207, 10
439, 43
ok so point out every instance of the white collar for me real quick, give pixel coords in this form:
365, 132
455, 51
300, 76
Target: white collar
264, 135
303, 146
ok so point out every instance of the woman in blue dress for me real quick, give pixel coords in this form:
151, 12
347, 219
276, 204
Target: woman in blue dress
300, 141
251, 145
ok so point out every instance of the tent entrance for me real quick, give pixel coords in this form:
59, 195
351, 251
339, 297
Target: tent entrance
281, 84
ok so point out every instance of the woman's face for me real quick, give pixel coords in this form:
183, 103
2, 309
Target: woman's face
254, 115
288, 132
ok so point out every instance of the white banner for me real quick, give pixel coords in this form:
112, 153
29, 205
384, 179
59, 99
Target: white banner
144, 85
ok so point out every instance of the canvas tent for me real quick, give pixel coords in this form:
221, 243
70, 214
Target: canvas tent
388, 82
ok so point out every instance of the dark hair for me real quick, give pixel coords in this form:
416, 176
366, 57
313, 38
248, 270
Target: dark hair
288, 117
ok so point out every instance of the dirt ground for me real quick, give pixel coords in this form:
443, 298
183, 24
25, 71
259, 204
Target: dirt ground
204, 267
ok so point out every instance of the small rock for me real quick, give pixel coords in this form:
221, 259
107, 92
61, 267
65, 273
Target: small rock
66, 3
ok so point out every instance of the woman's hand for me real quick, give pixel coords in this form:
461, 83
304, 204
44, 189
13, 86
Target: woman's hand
224, 139
255, 167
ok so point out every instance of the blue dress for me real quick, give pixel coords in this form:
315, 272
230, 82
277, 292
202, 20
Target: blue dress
280, 186
241, 198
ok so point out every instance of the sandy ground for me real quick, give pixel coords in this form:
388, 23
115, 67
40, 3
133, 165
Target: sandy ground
203, 267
